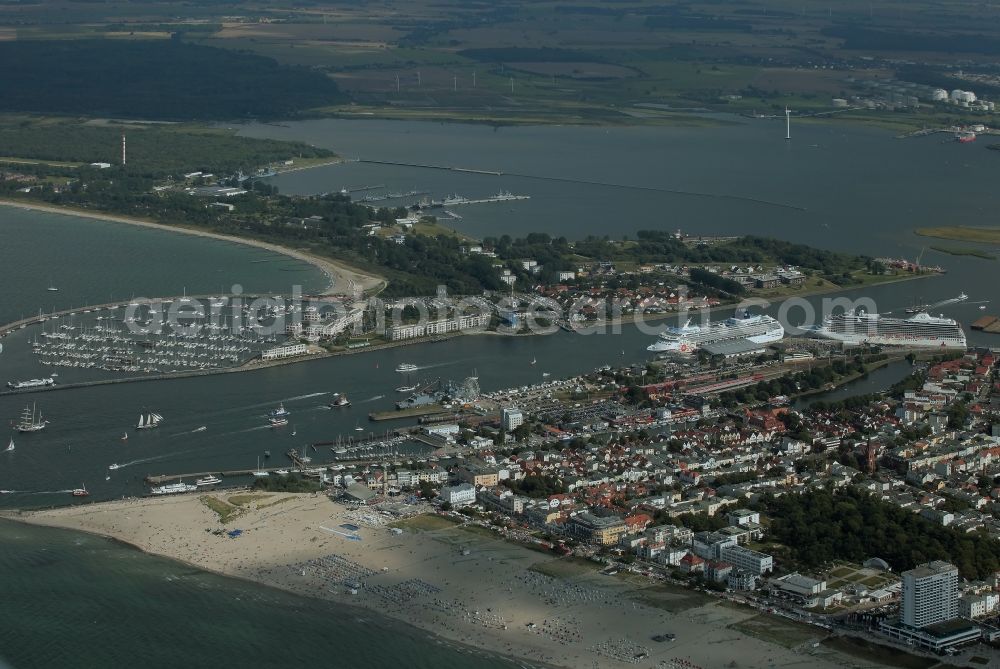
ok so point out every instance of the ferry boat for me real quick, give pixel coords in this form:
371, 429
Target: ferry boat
688, 338
173, 489
406, 367
339, 400
208, 480
30, 421
921, 330
280, 412
148, 421
31, 383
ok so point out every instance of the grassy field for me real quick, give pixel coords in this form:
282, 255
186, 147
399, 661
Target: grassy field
223, 510
568, 567
778, 630
962, 251
671, 598
963, 233
243, 500
870, 652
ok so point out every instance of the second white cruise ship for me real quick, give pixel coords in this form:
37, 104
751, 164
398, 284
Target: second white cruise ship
688, 338
920, 329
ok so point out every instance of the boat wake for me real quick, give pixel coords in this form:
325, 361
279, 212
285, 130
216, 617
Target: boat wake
952, 300
372, 399
194, 431
271, 403
43, 492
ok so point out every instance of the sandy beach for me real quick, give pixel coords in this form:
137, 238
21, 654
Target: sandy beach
459, 582
342, 279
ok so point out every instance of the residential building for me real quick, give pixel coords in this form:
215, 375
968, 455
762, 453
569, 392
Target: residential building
436, 327
748, 560
601, 530
513, 418
286, 351
459, 495
930, 594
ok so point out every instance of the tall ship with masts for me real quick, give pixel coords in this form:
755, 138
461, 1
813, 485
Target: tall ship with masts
148, 420
31, 421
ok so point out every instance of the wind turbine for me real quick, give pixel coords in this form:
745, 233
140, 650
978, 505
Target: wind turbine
788, 123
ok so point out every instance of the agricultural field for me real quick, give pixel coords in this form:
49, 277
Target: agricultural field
583, 61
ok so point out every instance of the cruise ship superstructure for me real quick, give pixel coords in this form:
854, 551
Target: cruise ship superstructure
922, 329
688, 338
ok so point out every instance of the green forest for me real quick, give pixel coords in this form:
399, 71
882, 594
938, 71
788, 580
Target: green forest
153, 151
155, 79
820, 526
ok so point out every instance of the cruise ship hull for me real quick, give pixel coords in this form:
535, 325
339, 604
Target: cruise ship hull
918, 331
885, 340
757, 329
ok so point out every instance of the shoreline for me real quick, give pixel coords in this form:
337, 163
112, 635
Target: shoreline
588, 328
341, 277
461, 584
9, 515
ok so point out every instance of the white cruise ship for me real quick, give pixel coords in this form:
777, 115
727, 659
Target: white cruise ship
688, 338
918, 330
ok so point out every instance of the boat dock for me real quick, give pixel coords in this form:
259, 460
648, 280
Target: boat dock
160, 479
990, 324
428, 409
503, 197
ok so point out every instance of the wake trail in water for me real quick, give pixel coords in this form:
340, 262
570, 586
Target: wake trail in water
260, 405
194, 431
157, 458
372, 399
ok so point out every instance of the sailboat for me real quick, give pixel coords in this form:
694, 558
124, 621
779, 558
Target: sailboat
259, 473
10, 446
125, 437
149, 420
52, 287
30, 422
534, 361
